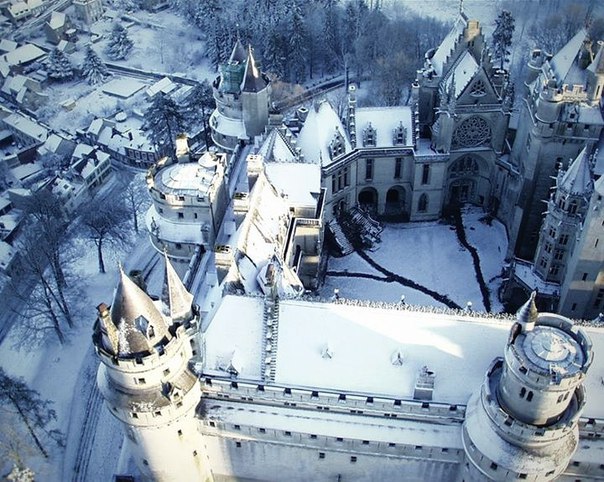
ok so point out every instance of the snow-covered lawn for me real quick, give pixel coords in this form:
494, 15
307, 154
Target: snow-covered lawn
429, 254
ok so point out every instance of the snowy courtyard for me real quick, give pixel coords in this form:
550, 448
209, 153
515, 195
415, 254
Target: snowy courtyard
429, 254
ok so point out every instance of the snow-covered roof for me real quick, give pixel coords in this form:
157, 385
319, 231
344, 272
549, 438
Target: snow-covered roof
7, 45
23, 171
464, 70
277, 148
301, 183
362, 340
191, 178
448, 44
318, 131
563, 61
164, 85
27, 126
123, 87
385, 120
57, 20
22, 55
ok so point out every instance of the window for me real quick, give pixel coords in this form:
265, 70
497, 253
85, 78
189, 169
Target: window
493, 466
369, 169
287, 433
178, 246
478, 89
166, 371
238, 445
179, 433
353, 459
584, 277
558, 254
339, 439
522, 392
321, 455
262, 430
391, 444
212, 424
529, 397
365, 442
398, 164
313, 436
140, 381
573, 307
563, 239
369, 399
554, 270
194, 453
422, 204
426, 174
369, 136
181, 215
237, 427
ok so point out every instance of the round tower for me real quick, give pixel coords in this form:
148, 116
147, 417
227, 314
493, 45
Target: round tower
524, 422
146, 381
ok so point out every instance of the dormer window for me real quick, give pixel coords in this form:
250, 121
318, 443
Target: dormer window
400, 135
336, 146
369, 136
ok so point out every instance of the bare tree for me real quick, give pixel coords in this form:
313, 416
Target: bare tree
136, 198
31, 410
104, 220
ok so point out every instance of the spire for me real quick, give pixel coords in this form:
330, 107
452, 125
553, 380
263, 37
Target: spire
578, 179
140, 326
176, 300
252, 79
597, 66
238, 55
527, 314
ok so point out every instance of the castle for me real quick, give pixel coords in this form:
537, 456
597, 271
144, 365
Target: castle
236, 375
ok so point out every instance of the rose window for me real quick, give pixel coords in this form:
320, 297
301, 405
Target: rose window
472, 132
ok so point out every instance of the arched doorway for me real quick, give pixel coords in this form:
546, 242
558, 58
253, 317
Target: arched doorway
396, 201
368, 200
463, 174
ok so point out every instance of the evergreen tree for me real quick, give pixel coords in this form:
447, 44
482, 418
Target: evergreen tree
275, 54
199, 106
34, 412
93, 68
164, 122
58, 65
119, 45
297, 45
502, 36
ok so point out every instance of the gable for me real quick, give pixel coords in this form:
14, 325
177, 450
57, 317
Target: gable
478, 90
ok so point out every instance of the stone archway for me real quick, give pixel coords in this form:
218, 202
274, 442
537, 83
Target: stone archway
368, 200
396, 201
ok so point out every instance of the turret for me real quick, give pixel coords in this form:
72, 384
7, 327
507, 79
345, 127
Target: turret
595, 76
146, 382
524, 422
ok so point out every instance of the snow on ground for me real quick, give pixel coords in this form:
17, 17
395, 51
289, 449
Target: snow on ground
66, 374
429, 254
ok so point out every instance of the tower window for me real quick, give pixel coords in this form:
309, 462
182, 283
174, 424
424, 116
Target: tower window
353, 459
179, 433
426, 174
529, 397
522, 392
238, 445
584, 277
262, 430
321, 455
422, 205
493, 466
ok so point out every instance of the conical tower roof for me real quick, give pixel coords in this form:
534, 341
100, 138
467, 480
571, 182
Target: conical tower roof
177, 301
578, 179
139, 323
527, 313
252, 79
238, 55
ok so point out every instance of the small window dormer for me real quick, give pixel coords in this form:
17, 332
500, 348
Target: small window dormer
399, 135
336, 146
369, 136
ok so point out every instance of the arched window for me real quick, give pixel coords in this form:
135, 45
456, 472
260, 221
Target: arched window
529, 397
572, 208
464, 166
522, 392
422, 204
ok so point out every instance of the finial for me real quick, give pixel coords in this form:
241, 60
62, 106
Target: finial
527, 314
460, 7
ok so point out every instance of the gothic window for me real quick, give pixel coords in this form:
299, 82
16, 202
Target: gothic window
422, 205
426, 174
558, 254
572, 209
400, 135
369, 136
478, 89
472, 132
464, 166
369, 169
